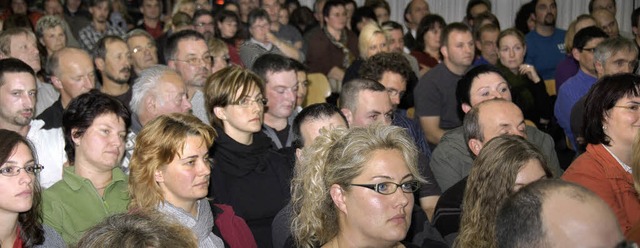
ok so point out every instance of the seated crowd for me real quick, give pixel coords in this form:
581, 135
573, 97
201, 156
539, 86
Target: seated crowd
199, 124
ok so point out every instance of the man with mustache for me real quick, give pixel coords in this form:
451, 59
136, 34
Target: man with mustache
545, 43
113, 59
188, 54
17, 108
99, 26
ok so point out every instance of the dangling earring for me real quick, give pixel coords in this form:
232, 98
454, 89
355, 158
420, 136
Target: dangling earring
604, 127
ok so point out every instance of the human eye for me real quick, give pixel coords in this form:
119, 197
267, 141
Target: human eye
388, 116
192, 61
7, 170
409, 186
33, 93
190, 162
373, 116
16, 93
33, 168
105, 131
503, 89
383, 188
280, 90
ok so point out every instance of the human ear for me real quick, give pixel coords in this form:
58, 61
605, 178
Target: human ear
338, 197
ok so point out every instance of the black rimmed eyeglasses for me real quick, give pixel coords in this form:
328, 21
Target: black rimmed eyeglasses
387, 188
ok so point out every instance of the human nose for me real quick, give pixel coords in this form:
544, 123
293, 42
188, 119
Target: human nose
401, 198
28, 100
204, 167
512, 53
24, 177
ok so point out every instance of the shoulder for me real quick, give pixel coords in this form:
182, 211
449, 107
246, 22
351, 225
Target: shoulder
51, 238
539, 138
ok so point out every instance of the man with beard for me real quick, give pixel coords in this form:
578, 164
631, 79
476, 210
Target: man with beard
20, 43
113, 59
545, 43
188, 54
17, 107
99, 26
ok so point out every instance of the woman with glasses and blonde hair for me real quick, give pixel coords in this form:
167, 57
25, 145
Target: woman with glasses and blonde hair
169, 172
354, 188
611, 119
506, 164
20, 197
248, 174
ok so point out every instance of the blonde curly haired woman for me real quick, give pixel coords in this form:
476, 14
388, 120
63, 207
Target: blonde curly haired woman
354, 188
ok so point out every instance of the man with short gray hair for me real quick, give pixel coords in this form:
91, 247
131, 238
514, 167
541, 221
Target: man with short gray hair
144, 52
158, 90
612, 56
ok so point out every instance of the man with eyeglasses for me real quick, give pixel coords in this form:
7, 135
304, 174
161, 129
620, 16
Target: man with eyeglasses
113, 60
584, 44
203, 22
612, 56
188, 54
17, 109
281, 89
144, 52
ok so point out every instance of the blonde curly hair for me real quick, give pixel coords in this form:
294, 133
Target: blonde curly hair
336, 157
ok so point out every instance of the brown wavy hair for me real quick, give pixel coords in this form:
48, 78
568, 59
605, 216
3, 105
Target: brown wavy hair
490, 182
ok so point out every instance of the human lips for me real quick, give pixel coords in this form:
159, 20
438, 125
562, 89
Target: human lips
399, 219
28, 113
25, 193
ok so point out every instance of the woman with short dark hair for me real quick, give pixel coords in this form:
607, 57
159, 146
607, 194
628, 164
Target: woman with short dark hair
611, 122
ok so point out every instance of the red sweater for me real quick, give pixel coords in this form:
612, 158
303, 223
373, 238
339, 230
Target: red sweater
600, 172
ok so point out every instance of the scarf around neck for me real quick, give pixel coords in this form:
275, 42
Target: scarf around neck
342, 44
238, 159
201, 225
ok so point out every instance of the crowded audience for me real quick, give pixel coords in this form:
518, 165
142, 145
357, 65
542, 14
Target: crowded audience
319, 123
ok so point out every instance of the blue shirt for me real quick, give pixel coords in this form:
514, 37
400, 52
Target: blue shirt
570, 92
545, 52
400, 119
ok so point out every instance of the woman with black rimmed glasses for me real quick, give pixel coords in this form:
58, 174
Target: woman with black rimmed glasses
20, 197
248, 173
354, 188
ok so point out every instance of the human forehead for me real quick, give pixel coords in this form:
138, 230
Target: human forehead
627, 54
57, 28
487, 78
498, 112
459, 36
203, 18
116, 46
19, 39
17, 80
281, 79
545, 2
192, 46
490, 35
138, 39
369, 100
